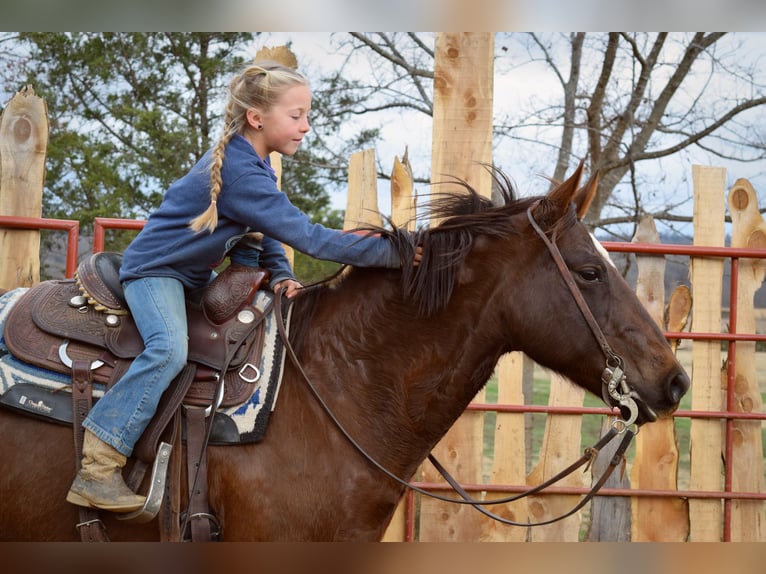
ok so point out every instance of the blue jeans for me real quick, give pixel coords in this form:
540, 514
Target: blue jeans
158, 308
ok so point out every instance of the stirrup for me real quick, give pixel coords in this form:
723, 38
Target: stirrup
156, 489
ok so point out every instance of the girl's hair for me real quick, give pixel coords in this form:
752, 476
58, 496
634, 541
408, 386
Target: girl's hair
259, 85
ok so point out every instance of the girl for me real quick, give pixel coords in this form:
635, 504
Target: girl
209, 213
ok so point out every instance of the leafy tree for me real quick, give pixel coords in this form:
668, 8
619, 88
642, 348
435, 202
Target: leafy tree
131, 112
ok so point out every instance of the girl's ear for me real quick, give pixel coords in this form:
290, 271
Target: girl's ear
254, 118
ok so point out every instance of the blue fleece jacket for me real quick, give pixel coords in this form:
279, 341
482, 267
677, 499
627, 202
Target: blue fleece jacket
249, 202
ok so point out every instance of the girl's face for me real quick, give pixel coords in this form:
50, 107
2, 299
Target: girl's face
282, 127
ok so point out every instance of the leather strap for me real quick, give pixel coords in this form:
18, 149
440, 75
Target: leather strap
90, 526
588, 457
170, 510
198, 512
573, 289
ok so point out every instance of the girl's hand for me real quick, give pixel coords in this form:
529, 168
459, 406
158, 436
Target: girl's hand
291, 288
418, 256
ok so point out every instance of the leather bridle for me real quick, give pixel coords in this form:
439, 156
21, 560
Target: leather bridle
613, 376
614, 385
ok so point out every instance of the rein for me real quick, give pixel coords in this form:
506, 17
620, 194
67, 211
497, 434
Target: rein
612, 377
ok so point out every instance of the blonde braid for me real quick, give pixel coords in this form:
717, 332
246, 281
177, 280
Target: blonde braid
258, 86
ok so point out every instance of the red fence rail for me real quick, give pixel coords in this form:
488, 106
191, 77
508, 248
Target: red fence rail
101, 224
70, 226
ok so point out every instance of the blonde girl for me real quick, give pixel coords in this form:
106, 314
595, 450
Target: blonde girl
227, 205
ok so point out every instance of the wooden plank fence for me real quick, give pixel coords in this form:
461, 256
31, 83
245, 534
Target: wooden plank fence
725, 496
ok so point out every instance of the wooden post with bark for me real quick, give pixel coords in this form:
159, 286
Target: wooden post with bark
655, 464
748, 231
23, 146
462, 141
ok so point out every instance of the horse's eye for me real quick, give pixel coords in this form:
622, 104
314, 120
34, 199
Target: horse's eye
590, 274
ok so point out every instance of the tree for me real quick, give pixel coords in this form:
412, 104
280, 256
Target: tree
624, 101
129, 113
630, 98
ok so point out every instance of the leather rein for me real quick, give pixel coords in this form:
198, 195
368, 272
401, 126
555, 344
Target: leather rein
614, 385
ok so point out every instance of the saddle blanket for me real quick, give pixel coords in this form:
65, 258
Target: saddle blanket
38, 390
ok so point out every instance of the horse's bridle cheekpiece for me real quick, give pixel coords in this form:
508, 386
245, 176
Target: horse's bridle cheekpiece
614, 373
614, 386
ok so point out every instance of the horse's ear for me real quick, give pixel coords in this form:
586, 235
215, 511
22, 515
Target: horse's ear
559, 198
584, 196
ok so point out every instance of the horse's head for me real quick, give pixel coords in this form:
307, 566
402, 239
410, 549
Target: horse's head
498, 266
607, 333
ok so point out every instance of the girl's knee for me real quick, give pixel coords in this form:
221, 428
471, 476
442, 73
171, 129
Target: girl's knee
177, 356
167, 355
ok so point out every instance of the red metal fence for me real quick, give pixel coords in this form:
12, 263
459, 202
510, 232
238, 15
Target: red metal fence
731, 337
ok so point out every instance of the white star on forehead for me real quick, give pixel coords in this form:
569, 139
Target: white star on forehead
602, 250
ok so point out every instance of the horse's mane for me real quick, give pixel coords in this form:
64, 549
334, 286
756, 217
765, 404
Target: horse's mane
463, 215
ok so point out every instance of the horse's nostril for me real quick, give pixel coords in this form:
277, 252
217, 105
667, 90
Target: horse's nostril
678, 386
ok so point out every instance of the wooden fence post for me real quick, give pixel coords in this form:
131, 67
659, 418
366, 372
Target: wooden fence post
403, 198
655, 465
705, 515
555, 455
23, 145
462, 140
403, 211
362, 208
748, 231
509, 453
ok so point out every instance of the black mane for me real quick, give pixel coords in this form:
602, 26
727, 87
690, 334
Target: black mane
463, 215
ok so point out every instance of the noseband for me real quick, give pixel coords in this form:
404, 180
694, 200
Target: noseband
614, 385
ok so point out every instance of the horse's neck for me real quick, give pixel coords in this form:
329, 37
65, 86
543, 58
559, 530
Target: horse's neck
412, 376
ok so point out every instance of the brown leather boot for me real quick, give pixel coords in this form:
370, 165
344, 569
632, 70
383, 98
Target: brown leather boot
99, 483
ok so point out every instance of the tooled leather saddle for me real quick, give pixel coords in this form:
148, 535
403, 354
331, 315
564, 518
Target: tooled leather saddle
83, 327
59, 323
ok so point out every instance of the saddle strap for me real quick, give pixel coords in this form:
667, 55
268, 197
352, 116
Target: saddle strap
170, 510
146, 447
198, 513
90, 526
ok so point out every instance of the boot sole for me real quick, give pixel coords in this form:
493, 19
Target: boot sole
74, 498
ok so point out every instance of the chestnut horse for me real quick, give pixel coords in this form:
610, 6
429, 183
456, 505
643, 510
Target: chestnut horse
397, 355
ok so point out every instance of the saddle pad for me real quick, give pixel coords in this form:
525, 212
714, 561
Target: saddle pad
14, 371
250, 418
